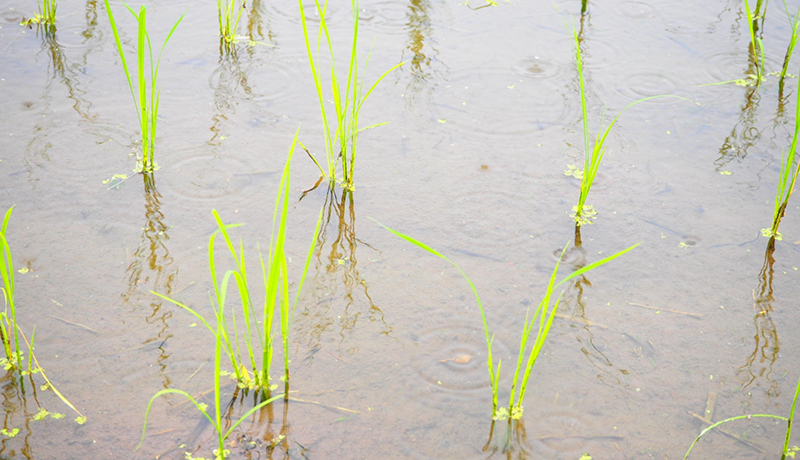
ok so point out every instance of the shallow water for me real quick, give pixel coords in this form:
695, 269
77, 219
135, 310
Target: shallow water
485, 115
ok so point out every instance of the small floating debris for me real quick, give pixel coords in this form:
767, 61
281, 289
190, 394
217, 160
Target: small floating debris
460, 359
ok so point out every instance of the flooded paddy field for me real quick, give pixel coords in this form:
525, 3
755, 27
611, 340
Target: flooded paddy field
388, 356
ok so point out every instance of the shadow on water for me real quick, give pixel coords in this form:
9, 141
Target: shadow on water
150, 269
759, 365
340, 292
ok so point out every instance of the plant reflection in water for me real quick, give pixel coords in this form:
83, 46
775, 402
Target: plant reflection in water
340, 293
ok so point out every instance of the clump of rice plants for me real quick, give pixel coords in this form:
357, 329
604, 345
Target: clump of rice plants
223, 344
146, 104
227, 335
786, 451
216, 417
341, 141
276, 297
583, 213
229, 12
537, 323
10, 332
46, 17
8, 318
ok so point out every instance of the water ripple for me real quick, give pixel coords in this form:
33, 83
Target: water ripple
539, 68
636, 10
206, 176
650, 83
495, 221
499, 103
386, 16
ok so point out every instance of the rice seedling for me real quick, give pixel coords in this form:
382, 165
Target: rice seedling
786, 181
756, 45
786, 451
276, 285
229, 12
584, 214
539, 321
8, 318
47, 13
146, 105
226, 336
216, 418
342, 142
10, 332
46, 17
795, 23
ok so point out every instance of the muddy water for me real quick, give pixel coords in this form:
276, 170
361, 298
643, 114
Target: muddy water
485, 116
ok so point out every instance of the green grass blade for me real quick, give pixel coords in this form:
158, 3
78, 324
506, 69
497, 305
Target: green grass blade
171, 391
117, 40
374, 85
250, 412
739, 417
7, 274
790, 421
424, 246
144, 118
584, 117
318, 87
540, 310
187, 308
594, 265
7, 262
752, 34
44, 375
787, 179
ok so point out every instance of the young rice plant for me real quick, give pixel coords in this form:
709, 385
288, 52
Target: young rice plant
8, 318
10, 332
347, 100
46, 17
795, 23
244, 353
756, 45
146, 104
216, 418
226, 336
230, 12
593, 153
540, 322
